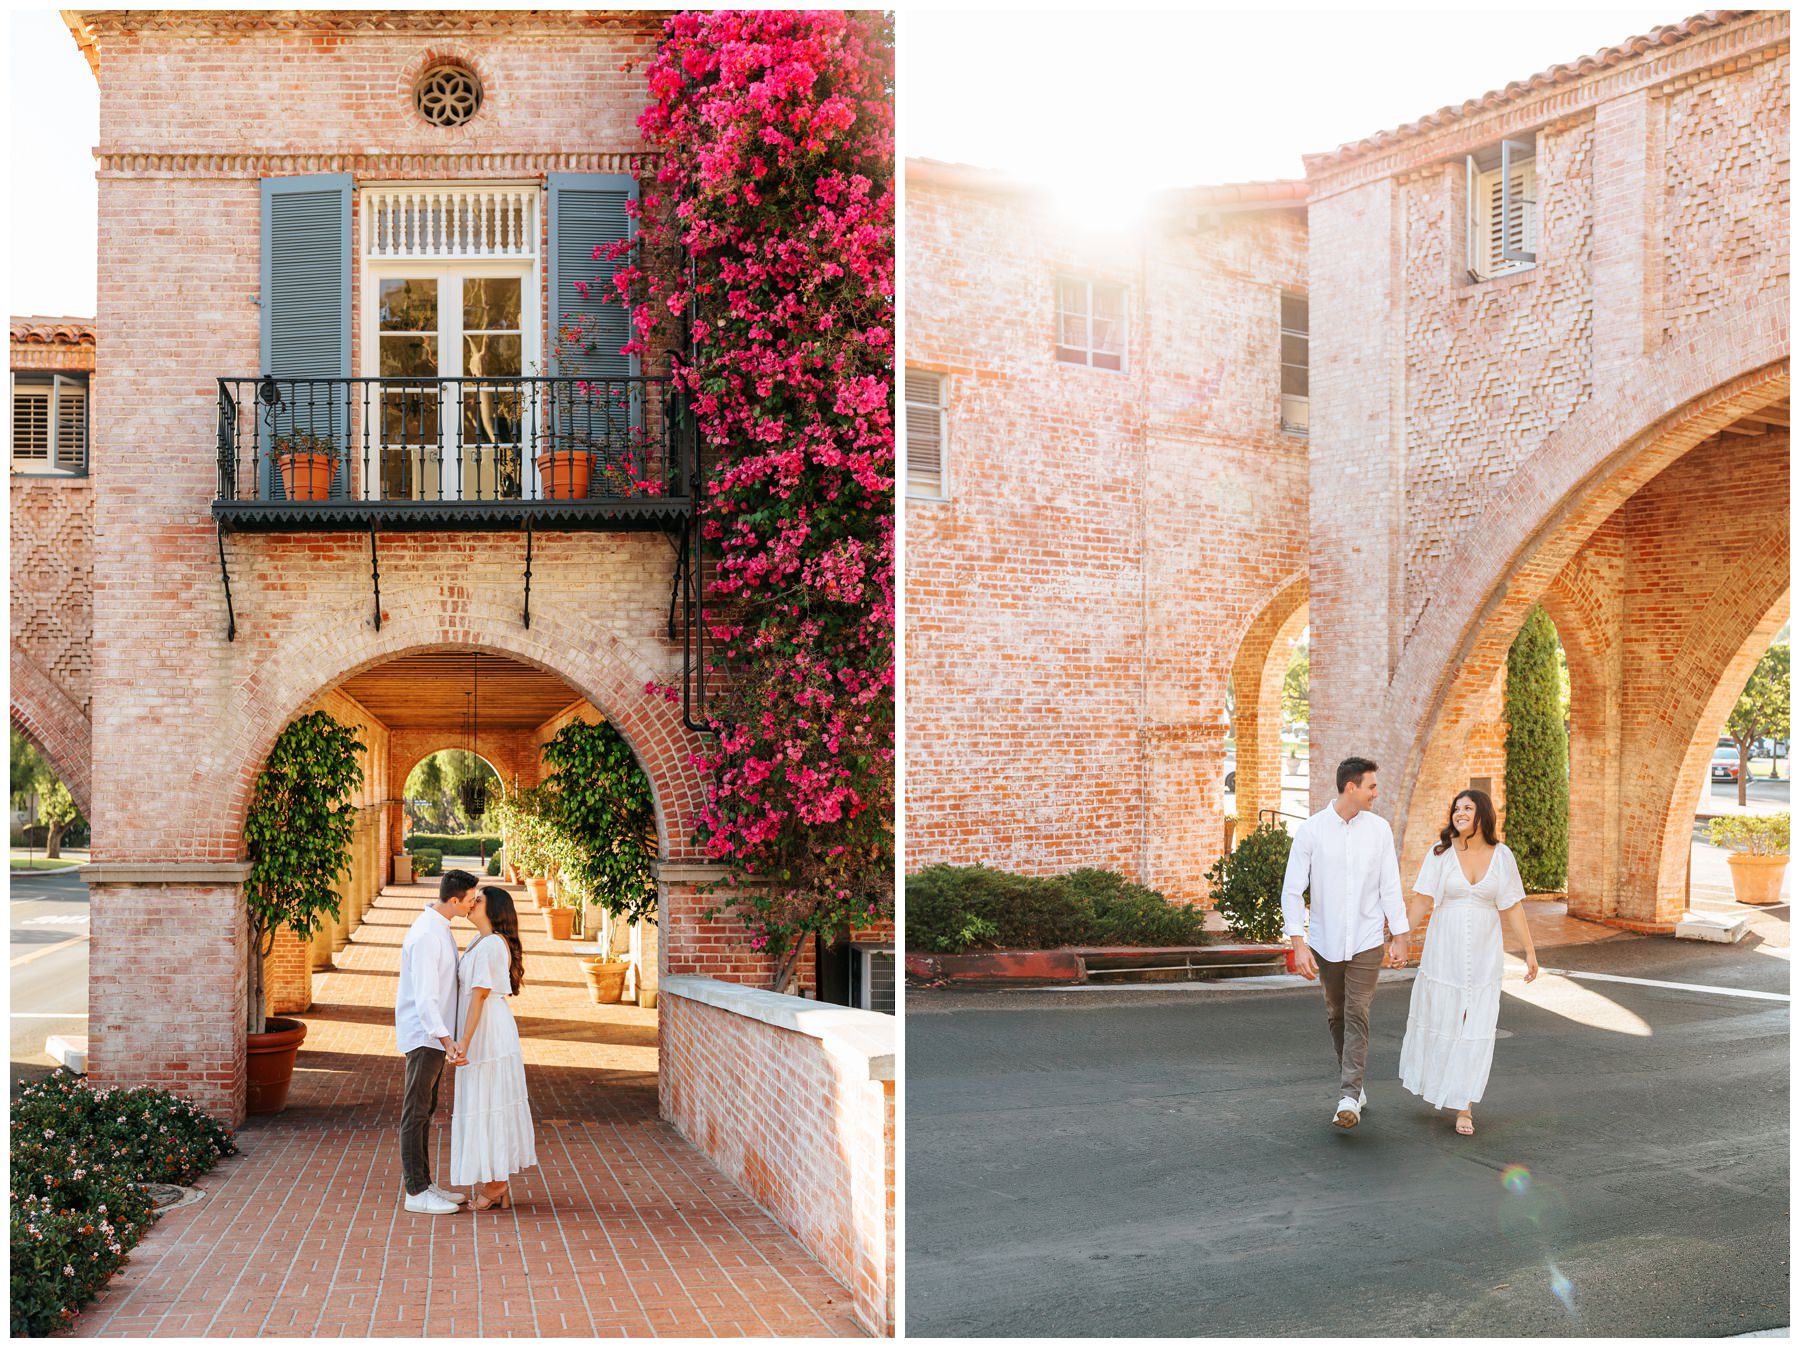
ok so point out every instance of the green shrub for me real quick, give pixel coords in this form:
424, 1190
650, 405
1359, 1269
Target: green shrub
1246, 883
454, 844
953, 908
79, 1157
427, 861
493, 866
1760, 835
1537, 758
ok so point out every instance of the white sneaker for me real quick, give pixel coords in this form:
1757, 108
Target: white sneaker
429, 1203
444, 1193
1349, 1113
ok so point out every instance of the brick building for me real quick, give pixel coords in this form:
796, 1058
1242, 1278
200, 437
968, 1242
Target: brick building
1105, 521
1548, 363
353, 238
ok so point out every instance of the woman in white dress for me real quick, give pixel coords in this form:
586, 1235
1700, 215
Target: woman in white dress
491, 1137
1474, 881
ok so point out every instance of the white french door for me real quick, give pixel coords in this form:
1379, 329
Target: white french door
450, 343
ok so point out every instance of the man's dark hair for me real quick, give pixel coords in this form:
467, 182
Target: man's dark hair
1350, 770
455, 884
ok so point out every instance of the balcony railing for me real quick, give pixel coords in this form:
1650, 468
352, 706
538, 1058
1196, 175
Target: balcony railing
420, 452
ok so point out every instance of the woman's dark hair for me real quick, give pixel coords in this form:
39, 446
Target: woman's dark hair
505, 917
1485, 821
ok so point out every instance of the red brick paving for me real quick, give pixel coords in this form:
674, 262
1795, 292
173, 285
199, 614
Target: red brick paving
622, 1228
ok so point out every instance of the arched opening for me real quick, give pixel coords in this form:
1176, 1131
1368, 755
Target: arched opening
45, 818
1262, 710
55, 724
1656, 574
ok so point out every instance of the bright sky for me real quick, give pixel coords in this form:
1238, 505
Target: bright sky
1137, 101
1116, 102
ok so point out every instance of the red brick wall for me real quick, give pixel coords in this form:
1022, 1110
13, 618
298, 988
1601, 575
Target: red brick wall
1479, 447
796, 1128
52, 529
1075, 607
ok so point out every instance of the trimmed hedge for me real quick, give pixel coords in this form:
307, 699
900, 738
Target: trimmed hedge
427, 861
79, 1159
953, 908
454, 844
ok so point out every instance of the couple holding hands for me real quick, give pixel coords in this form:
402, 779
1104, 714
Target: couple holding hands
450, 1011
1345, 854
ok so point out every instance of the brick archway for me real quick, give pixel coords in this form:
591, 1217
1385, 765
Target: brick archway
1257, 674
1558, 532
59, 729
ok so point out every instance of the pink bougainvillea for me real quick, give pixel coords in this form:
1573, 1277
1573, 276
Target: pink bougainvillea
776, 179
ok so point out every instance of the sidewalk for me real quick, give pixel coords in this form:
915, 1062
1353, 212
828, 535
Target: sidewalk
622, 1228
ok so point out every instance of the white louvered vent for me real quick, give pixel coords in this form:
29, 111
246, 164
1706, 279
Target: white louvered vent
458, 222
71, 429
31, 426
925, 420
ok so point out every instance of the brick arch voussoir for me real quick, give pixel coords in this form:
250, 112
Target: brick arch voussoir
55, 725
593, 663
1581, 473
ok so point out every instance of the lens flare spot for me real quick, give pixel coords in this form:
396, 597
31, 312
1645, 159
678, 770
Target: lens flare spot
1515, 1179
1561, 1288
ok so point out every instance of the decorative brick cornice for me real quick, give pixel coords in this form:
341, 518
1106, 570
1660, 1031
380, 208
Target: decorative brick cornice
1720, 42
436, 165
92, 28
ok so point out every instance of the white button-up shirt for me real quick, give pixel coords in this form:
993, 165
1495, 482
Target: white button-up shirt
425, 1005
1355, 879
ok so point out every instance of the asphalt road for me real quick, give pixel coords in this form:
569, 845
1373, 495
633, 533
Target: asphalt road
49, 959
1160, 1162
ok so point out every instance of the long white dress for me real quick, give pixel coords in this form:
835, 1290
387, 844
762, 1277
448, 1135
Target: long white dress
1449, 1045
491, 1136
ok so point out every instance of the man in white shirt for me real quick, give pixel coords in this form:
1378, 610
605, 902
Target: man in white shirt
1345, 853
425, 1031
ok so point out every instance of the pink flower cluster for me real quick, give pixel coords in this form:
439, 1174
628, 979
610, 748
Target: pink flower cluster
776, 180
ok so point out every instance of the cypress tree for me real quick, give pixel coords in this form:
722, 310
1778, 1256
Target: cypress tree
1537, 757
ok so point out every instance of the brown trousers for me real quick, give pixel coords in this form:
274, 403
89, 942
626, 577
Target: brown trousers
418, 1102
1349, 987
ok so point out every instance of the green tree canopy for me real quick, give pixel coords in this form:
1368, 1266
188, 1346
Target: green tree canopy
1762, 711
1537, 757
1296, 686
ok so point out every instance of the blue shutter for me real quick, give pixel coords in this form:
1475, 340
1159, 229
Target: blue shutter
587, 211
306, 312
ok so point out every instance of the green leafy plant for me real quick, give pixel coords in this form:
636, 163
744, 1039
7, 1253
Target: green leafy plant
953, 908
298, 833
306, 442
606, 817
1246, 883
79, 1157
1537, 757
527, 827
427, 861
1762, 709
455, 844
1761, 835
494, 866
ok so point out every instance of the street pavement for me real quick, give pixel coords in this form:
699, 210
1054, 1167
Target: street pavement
49, 965
1160, 1161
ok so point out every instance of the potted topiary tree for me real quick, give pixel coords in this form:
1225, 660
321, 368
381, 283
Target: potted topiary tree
528, 836
1759, 853
298, 834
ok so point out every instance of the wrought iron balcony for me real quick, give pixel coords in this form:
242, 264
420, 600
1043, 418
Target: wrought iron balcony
469, 452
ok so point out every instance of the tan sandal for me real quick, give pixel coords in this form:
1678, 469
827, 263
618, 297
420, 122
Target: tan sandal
482, 1202
1465, 1124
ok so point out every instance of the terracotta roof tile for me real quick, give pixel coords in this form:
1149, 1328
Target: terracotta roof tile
39, 328
1667, 35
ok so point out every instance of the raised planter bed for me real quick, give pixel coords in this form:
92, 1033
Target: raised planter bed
1100, 964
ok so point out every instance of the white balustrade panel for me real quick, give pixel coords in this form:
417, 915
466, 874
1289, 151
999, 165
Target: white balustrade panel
451, 222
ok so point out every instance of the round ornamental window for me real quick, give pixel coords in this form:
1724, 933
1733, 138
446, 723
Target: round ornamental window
447, 95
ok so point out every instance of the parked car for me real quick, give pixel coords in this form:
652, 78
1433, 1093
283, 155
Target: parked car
1725, 763
1231, 774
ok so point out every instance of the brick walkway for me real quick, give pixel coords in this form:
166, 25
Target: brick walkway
622, 1228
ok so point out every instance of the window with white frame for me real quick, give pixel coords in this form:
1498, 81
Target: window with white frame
1294, 354
1090, 323
927, 421
1502, 209
49, 425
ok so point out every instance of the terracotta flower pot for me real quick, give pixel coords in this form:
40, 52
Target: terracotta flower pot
564, 473
537, 889
1756, 879
559, 923
305, 477
605, 979
512, 873
270, 1064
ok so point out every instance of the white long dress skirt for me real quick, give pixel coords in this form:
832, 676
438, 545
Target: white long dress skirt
491, 1134
1449, 1046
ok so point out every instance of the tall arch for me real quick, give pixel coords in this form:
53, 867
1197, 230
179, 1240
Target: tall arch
1257, 673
